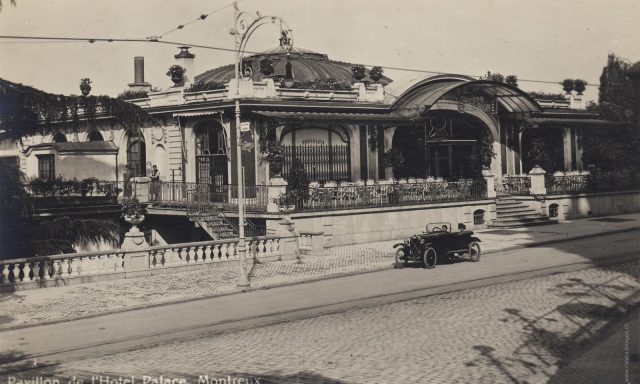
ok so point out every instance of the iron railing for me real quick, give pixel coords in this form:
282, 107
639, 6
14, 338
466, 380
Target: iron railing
559, 184
363, 196
321, 162
517, 185
178, 194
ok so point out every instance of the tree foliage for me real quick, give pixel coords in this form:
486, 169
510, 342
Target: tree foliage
26, 111
611, 148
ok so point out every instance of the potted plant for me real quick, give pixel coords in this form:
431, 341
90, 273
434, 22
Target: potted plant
579, 85
176, 72
274, 156
358, 72
568, 85
132, 211
266, 67
375, 73
85, 86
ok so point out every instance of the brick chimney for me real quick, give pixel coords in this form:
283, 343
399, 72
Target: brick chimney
138, 76
185, 59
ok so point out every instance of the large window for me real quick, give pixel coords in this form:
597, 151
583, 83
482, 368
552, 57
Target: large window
46, 166
136, 157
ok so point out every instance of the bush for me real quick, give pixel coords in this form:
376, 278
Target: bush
202, 86
298, 183
324, 85
131, 94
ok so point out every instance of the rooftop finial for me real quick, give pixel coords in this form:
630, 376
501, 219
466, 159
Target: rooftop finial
285, 40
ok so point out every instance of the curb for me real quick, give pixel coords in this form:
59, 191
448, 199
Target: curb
310, 280
565, 239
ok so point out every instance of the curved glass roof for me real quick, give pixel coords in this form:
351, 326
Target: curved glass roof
423, 93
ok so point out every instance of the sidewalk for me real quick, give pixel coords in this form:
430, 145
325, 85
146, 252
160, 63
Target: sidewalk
42, 306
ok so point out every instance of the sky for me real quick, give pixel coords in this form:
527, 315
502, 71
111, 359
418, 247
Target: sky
534, 39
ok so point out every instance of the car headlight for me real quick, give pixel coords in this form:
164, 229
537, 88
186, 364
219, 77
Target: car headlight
422, 241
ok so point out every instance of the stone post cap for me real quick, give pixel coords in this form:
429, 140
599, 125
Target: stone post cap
278, 181
536, 170
487, 173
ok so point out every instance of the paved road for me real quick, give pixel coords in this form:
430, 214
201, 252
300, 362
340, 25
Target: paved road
476, 327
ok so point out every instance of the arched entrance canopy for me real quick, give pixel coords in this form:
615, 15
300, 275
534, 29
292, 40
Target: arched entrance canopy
417, 96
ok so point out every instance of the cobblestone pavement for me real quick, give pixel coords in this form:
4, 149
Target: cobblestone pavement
518, 332
39, 306
34, 307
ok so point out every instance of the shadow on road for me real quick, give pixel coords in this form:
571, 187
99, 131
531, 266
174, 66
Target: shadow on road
568, 333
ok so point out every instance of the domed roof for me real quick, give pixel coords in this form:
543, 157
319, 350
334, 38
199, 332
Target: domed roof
306, 64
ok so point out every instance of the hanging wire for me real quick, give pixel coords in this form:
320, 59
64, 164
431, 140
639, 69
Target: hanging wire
21, 39
199, 18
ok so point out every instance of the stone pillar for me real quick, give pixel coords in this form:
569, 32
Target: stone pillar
537, 181
136, 258
288, 245
388, 145
277, 188
490, 182
567, 149
579, 150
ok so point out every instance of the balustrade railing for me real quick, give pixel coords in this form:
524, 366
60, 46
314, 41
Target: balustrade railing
54, 268
378, 195
44, 268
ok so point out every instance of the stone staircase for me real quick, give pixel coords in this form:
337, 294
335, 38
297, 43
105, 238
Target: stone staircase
511, 213
218, 227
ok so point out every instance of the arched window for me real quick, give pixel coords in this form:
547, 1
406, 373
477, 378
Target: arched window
478, 217
136, 156
59, 138
553, 210
95, 135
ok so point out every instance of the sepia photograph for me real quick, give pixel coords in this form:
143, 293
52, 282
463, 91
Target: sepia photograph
337, 191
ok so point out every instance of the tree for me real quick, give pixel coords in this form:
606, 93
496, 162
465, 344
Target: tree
613, 148
512, 80
27, 111
298, 182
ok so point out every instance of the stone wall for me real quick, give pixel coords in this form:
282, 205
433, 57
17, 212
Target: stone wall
355, 226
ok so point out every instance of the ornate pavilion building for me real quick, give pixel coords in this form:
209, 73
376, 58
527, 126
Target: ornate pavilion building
350, 128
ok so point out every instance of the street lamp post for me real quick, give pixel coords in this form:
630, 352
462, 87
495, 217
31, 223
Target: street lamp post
245, 25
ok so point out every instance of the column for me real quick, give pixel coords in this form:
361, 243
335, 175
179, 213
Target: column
388, 145
567, 147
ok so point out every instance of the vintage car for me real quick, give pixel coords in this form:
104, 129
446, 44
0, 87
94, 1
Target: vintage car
438, 243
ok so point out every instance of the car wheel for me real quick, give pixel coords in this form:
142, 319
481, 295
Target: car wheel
430, 258
401, 259
474, 251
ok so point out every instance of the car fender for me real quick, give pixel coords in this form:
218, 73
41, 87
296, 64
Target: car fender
403, 245
475, 239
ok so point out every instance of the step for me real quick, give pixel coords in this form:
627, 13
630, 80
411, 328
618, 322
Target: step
518, 225
525, 215
521, 218
515, 210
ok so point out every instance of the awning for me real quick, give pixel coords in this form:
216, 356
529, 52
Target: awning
334, 116
197, 113
538, 122
97, 147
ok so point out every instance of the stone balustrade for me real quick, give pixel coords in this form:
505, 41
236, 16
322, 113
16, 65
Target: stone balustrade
42, 269
66, 269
